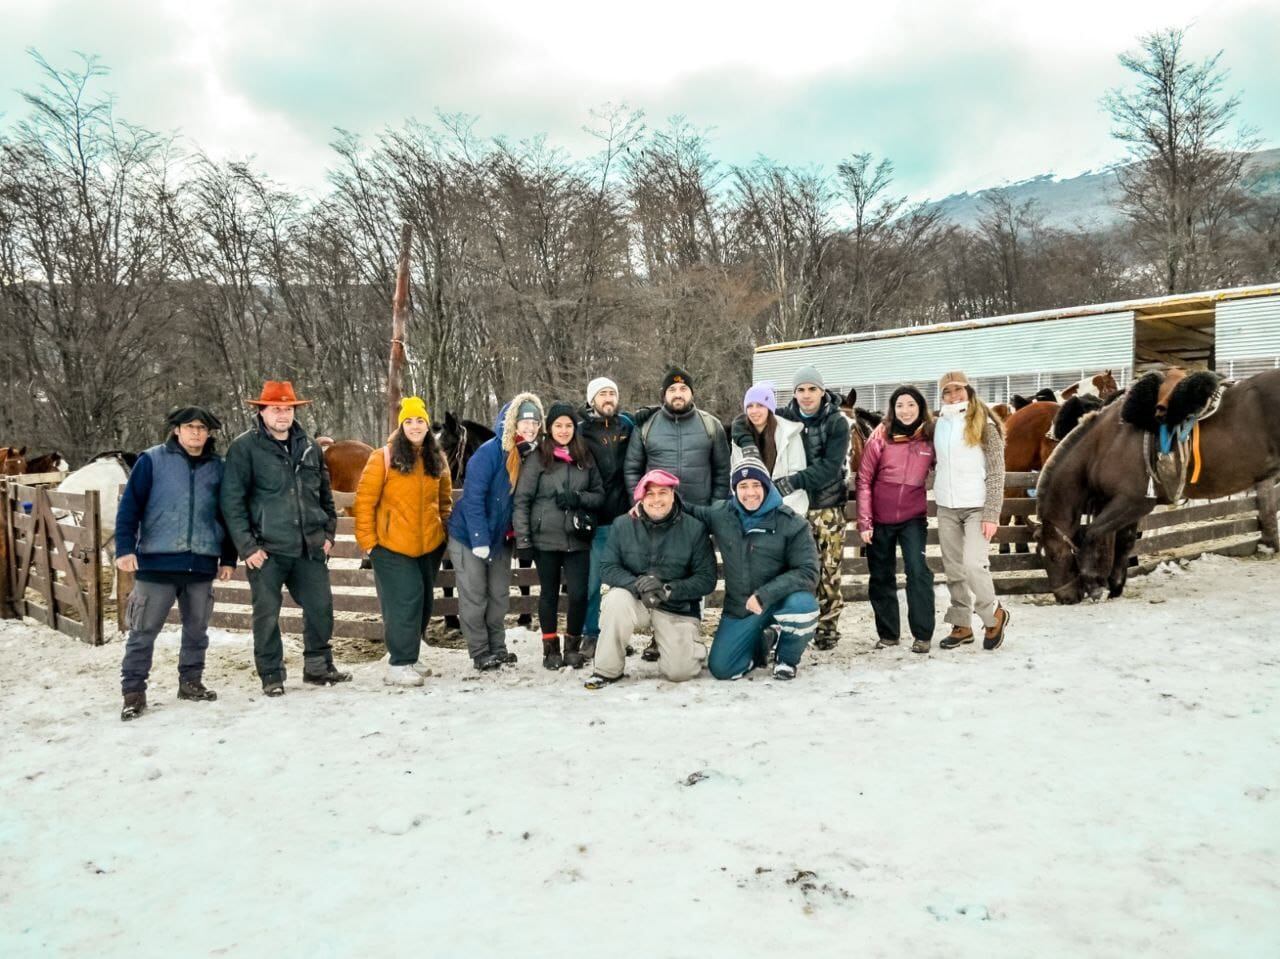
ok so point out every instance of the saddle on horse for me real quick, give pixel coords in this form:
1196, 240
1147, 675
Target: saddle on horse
1169, 408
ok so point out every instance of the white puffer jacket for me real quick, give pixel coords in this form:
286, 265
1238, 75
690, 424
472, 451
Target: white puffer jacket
789, 442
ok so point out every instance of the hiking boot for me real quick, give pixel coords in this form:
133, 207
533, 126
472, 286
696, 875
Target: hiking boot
921, 646
273, 685
650, 654
826, 641
196, 691
551, 653
402, 676
488, 661
506, 658
589, 646
993, 636
596, 681
573, 652
135, 704
884, 641
784, 671
767, 644
330, 677
958, 636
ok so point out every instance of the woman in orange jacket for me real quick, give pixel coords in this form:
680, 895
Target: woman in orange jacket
401, 509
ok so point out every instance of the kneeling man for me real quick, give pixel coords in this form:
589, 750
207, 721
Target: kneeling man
770, 574
659, 564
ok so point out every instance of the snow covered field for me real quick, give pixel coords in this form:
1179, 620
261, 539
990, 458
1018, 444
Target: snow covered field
1107, 784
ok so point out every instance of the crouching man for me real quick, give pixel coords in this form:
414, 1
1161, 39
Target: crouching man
169, 532
770, 574
659, 564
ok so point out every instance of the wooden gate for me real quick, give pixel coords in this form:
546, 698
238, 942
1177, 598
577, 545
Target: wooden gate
52, 547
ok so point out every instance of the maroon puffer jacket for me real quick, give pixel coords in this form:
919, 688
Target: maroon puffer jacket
891, 480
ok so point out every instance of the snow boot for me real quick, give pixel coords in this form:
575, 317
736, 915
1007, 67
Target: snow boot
993, 636
331, 676
573, 652
650, 654
487, 661
589, 646
767, 644
551, 652
507, 658
958, 636
196, 691
135, 704
596, 681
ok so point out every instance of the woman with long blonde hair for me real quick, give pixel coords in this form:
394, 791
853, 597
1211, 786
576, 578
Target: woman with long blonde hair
969, 489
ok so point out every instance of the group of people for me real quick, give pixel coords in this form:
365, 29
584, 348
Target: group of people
639, 502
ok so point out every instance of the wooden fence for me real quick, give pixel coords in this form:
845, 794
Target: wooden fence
51, 557
1223, 525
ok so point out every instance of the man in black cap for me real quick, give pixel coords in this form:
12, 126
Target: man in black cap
688, 443
169, 532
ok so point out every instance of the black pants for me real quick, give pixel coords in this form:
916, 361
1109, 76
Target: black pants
882, 564
308, 583
406, 588
573, 569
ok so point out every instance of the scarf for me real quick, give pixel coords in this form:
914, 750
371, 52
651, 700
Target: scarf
754, 519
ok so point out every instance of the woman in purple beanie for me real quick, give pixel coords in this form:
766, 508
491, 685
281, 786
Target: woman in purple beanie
778, 443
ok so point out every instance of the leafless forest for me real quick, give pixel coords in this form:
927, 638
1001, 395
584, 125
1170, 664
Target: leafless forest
136, 273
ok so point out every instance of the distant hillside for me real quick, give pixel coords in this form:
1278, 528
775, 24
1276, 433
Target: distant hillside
1087, 200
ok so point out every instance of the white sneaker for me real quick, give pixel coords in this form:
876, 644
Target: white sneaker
402, 676
784, 671
420, 668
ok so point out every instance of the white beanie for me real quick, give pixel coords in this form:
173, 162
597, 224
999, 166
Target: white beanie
598, 384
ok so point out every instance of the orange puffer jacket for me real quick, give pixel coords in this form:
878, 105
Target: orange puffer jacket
405, 513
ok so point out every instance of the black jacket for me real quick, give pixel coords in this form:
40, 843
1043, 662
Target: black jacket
826, 450
676, 550
773, 561
607, 439
276, 500
542, 523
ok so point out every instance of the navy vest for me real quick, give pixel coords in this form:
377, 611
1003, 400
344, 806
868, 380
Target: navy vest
182, 510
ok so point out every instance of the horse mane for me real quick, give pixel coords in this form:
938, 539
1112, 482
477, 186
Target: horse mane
1071, 412
1060, 453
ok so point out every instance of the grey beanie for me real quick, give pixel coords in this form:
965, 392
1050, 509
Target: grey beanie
809, 375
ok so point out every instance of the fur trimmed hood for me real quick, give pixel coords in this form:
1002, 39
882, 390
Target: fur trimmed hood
505, 425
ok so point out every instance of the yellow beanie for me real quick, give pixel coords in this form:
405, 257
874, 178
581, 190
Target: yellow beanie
412, 406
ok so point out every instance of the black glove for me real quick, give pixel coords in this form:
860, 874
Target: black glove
567, 499
524, 553
647, 583
652, 599
784, 486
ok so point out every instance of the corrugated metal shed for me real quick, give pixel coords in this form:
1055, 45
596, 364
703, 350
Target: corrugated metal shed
1001, 359
1247, 334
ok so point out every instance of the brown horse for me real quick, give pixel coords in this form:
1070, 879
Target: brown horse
53, 462
861, 424
345, 460
1100, 468
13, 460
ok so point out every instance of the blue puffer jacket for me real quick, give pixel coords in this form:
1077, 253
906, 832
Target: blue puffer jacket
482, 517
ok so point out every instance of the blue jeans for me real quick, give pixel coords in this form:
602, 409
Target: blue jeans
592, 625
737, 648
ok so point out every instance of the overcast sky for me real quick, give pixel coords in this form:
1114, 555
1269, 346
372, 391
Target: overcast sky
959, 95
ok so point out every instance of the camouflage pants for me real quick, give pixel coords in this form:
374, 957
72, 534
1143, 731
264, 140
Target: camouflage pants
828, 533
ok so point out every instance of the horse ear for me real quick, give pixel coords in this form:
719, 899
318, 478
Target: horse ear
851, 398
450, 422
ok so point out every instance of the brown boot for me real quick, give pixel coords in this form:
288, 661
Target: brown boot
135, 704
958, 636
993, 636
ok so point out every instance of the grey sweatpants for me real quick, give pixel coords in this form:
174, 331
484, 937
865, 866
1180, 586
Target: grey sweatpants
484, 593
680, 654
145, 613
966, 559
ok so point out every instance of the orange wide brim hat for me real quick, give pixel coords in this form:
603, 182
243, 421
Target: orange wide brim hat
278, 393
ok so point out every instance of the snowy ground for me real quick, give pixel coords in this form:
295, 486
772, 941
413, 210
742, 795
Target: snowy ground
1108, 784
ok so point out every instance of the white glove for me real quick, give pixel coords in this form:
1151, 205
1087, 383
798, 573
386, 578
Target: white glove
481, 552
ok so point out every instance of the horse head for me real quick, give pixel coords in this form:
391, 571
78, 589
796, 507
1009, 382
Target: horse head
1106, 384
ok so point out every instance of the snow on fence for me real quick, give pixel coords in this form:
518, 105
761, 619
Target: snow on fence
51, 551
1228, 525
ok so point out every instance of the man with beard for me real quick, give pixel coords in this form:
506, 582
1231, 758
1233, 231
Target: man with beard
684, 441
606, 431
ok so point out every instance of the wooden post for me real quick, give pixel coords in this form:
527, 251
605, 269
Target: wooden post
7, 560
93, 588
399, 321
42, 543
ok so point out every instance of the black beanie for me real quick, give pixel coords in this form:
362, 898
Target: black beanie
894, 425
558, 409
676, 375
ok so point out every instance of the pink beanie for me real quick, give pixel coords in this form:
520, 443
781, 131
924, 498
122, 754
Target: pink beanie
656, 478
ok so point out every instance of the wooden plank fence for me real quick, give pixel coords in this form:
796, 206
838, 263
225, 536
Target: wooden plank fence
52, 547
1228, 524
